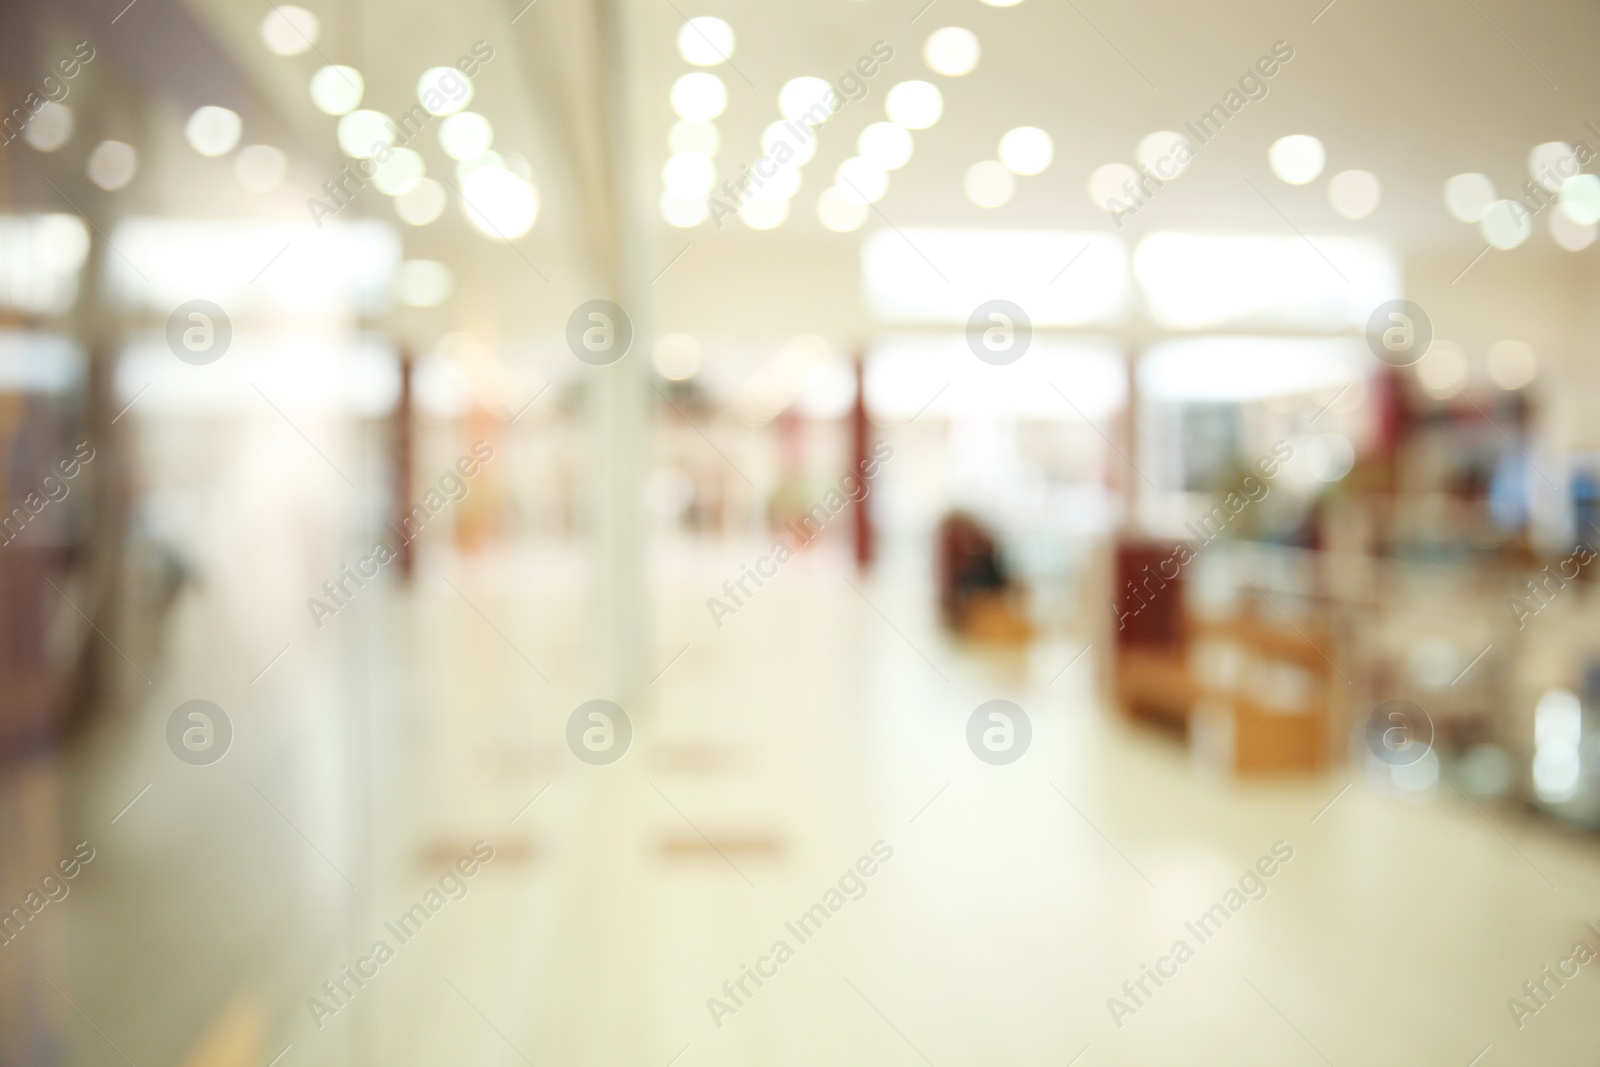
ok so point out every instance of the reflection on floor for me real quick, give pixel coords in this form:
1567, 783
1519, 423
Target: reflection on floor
799, 777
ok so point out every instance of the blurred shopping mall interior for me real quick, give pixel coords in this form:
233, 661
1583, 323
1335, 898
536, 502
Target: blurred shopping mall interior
677, 533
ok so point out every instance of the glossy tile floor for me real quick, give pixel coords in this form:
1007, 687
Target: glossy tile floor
821, 728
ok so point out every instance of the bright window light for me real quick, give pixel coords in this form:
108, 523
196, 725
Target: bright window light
1233, 369
1089, 271
905, 372
40, 257
351, 268
37, 362
1203, 281
309, 372
1557, 729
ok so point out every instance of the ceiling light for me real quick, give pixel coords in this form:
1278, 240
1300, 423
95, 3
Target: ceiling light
1164, 154
363, 134
699, 137
689, 175
1569, 234
1506, 224
424, 283
1297, 159
444, 90
780, 133
1442, 369
399, 172
841, 212
288, 30
705, 41
916, 105
465, 135
699, 97
1026, 150
1468, 196
50, 128
782, 185
1354, 193
800, 95
952, 51
1109, 186
490, 158
337, 90
989, 184
422, 205
213, 131
1512, 364
683, 211
518, 164
862, 178
676, 356
760, 213
499, 203
886, 144
112, 165
1580, 199
1002, 3
1553, 164
260, 168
